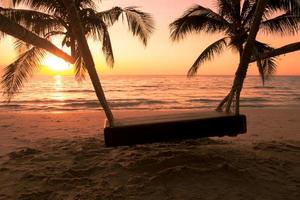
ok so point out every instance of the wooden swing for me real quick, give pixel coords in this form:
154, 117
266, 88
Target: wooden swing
176, 126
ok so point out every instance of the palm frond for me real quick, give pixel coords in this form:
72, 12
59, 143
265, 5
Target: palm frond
38, 22
54, 33
19, 71
230, 10
266, 67
107, 48
140, 23
98, 29
285, 24
261, 70
85, 4
21, 46
110, 16
283, 5
80, 69
207, 54
55, 7
197, 19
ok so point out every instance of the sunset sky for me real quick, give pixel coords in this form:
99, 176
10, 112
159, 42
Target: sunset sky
162, 56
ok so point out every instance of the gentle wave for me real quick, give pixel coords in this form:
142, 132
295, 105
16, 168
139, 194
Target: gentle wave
155, 92
263, 87
202, 100
40, 104
145, 86
254, 99
78, 91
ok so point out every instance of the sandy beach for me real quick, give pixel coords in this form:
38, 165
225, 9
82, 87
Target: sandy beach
62, 156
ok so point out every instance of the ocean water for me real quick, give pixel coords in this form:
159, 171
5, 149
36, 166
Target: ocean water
61, 93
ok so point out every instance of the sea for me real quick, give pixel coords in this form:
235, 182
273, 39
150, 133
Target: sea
145, 92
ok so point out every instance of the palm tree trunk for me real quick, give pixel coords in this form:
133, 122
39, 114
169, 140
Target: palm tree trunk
87, 57
13, 29
222, 103
245, 59
235, 83
247, 53
73, 49
279, 51
229, 98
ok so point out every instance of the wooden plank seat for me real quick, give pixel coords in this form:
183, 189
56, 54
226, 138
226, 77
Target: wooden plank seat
174, 126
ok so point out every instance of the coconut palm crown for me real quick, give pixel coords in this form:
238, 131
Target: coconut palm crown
233, 18
48, 18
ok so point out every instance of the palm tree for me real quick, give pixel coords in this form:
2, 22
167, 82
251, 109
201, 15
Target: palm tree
234, 19
49, 18
292, 7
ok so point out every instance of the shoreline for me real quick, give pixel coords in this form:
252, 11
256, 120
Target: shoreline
19, 128
122, 110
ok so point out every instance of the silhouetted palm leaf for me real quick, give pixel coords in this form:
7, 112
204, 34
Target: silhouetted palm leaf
140, 23
279, 5
38, 22
266, 67
107, 48
285, 24
55, 7
19, 71
197, 19
208, 54
98, 29
80, 69
110, 16
54, 33
230, 10
21, 46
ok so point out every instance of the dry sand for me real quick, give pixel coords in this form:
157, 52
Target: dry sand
62, 156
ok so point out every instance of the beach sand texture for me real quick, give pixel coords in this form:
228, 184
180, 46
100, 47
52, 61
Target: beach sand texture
62, 156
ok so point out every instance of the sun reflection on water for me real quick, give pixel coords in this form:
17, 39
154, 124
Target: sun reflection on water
58, 85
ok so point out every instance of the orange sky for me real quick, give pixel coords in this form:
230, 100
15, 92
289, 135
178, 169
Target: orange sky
162, 56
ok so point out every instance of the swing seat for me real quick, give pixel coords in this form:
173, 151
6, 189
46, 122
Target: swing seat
175, 126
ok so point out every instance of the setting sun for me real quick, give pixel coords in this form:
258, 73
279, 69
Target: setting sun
56, 65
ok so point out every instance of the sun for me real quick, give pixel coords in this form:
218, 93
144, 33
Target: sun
56, 65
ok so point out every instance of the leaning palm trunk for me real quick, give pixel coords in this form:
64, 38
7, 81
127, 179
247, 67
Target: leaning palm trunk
279, 51
244, 61
13, 29
276, 52
87, 57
